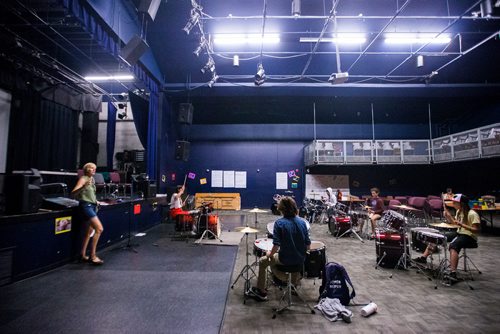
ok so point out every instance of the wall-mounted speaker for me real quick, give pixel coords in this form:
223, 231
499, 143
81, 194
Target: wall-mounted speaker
150, 7
134, 49
182, 149
185, 115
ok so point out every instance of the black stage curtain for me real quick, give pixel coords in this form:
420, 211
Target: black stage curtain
42, 134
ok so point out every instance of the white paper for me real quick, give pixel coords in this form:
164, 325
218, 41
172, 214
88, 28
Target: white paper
229, 179
240, 179
216, 179
282, 180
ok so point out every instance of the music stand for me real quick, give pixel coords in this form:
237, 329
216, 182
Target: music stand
244, 273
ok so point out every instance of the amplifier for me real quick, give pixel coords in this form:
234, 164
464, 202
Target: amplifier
58, 203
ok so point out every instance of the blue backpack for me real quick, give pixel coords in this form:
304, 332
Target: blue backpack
334, 283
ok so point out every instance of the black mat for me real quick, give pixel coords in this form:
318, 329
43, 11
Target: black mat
168, 286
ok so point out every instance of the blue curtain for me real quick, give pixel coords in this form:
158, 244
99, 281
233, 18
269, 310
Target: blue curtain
111, 43
110, 136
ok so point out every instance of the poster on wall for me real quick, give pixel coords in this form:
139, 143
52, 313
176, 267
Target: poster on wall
240, 179
216, 179
281, 180
229, 179
63, 224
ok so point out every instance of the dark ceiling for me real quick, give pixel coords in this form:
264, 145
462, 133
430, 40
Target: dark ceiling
40, 36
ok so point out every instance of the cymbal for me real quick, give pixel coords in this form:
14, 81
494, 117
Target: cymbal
246, 229
444, 225
405, 207
257, 210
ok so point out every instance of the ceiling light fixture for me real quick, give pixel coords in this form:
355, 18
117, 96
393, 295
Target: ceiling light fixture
343, 39
417, 40
296, 8
119, 77
247, 39
260, 76
236, 60
338, 78
486, 8
193, 20
420, 61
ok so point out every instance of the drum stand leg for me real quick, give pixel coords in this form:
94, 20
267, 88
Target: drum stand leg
244, 273
352, 231
207, 232
405, 259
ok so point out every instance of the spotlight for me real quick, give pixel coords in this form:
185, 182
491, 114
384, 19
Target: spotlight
215, 77
420, 61
122, 107
210, 65
486, 8
260, 76
338, 78
296, 8
236, 60
193, 20
203, 44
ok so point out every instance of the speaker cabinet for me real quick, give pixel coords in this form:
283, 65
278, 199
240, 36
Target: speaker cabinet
182, 149
134, 49
185, 113
22, 194
150, 7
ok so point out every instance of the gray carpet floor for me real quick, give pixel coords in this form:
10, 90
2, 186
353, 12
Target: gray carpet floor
407, 301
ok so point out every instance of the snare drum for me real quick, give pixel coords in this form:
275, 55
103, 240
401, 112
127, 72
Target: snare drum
339, 225
416, 243
316, 260
431, 238
261, 246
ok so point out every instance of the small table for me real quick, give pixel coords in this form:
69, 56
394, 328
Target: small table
491, 212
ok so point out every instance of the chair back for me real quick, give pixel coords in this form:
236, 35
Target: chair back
99, 179
392, 204
417, 202
402, 199
114, 177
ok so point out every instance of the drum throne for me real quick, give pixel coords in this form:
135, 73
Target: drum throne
290, 289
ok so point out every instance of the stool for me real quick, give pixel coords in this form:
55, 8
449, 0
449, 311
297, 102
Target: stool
286, 298
467, 267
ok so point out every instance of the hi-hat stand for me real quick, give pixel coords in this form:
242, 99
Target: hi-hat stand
351, 230
245, 272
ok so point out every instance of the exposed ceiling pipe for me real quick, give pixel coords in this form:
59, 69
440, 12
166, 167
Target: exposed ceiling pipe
379, 33
442, 31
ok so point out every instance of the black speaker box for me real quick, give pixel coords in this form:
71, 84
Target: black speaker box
22, 194
150, 7
146, 188
185, 113
182, 149
134, 49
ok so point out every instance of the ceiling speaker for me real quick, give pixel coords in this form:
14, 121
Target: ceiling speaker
135, 48
182, 149
150, 7
185, 115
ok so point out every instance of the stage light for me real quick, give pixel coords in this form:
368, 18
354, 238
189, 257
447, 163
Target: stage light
486, 8
338, 78
296, 8
193, 20
209, 66
203, 44
122, 107
260, 76
214, 79
342, 39
420, 61
236, 60
246, 39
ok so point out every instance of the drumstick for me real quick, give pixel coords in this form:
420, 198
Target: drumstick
185, 178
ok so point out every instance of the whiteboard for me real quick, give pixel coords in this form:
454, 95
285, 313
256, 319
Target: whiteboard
316, 185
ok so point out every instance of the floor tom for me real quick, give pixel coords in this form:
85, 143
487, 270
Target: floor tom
316, 260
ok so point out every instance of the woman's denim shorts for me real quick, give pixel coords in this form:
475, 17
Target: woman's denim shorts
88, 210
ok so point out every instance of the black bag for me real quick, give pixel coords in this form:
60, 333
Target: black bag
334, 283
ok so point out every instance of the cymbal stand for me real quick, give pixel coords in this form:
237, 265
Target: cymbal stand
207, 231
244, 273
405, 259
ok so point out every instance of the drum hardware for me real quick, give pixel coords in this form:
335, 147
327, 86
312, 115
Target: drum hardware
350, 230
256, 210
208, 225
388, 246
244, 273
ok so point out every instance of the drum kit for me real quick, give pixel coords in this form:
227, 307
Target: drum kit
200, 222
313, 265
